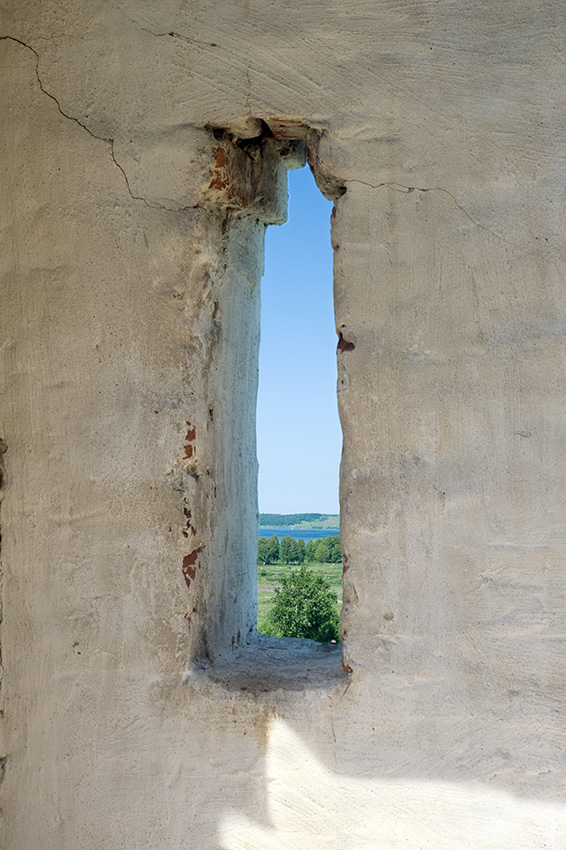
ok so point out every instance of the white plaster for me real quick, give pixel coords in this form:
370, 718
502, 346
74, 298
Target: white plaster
130, 270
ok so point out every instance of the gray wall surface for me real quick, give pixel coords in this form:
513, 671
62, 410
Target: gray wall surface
144, 152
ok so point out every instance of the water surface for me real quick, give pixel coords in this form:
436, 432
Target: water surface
305, 533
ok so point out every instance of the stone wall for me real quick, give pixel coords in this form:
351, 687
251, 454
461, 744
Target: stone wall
145, 154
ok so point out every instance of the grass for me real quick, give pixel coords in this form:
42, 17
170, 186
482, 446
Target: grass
269, 577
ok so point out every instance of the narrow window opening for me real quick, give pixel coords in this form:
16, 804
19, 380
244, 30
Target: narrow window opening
298, 430
253, 161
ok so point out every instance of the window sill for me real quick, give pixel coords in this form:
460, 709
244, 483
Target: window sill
268, 664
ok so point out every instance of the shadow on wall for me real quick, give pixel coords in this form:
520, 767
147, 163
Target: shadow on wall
368, 764
309, 802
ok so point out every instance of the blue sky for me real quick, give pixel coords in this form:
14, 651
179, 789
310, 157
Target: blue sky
299, 436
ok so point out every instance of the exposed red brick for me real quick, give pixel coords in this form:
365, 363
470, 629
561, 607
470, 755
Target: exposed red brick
190, 438
344, 345
190, 565
189, 573
287, 128
190, 559
230, 174
219, 170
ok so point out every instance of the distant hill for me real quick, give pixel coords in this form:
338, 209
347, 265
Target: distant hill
298, 521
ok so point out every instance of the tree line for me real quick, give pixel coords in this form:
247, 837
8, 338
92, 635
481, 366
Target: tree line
282, 520
322, 550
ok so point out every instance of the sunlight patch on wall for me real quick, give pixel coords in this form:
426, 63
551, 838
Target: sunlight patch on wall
307, 801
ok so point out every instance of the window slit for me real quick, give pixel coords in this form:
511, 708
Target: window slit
299, 435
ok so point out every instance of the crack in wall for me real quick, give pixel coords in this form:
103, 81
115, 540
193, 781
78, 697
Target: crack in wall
109, 141
406, 190
172, 34
400, 187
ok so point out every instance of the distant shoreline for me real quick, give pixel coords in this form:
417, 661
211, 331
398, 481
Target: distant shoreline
296, 533
301, 522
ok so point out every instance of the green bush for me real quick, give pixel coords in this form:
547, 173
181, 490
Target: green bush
304, 607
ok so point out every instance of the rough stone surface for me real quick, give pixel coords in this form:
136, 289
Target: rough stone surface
144, 156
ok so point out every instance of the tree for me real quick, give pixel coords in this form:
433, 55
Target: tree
268, 550
286, 549
310, 550
298, 551
262, 544
323, 550
304, 607
336, 549
273, 550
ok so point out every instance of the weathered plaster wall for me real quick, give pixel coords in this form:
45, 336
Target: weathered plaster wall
132, 255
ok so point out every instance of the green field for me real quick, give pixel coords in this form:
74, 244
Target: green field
269, 577
300, 521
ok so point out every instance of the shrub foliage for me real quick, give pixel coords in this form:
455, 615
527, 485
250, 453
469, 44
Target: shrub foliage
304, 607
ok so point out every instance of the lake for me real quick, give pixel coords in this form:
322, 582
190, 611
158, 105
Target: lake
305, 533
